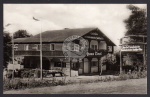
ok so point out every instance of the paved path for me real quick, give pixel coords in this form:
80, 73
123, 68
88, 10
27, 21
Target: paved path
132, 86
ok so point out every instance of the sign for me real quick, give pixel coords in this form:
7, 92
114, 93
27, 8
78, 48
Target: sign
131, 48
94, 54
94, 37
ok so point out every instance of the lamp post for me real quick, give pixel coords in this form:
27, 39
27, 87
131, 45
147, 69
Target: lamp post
41, 53
13, 56
41, 65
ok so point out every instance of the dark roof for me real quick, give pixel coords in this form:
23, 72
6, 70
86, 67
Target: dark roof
58, 35
20, 39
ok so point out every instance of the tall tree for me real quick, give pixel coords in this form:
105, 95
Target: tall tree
137, 21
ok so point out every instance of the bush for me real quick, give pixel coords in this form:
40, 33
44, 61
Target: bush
30, 83
133, 75
12, 84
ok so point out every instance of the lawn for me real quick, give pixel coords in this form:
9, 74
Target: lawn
130, 86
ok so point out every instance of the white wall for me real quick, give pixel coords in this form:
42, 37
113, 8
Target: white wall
86, 65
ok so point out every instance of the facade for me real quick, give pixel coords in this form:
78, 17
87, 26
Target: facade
27, 51
133, 52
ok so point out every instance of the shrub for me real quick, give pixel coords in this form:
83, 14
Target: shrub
12, 84
30, 83
133, 75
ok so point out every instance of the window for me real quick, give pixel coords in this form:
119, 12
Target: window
38, 47
75, 66
26, 47
109, 48
16, 47
52, 47
94, 47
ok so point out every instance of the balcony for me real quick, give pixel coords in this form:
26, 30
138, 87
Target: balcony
37, 53
52, 53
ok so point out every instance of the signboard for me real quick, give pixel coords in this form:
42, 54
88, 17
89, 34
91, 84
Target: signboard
94, 37
131, 48
94, 54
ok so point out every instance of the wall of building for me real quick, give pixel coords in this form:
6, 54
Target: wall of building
58, 46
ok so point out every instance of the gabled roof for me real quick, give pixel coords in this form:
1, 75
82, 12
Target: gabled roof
58, 35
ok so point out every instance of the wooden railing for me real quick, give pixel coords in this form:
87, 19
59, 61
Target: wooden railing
37, 53
51, 53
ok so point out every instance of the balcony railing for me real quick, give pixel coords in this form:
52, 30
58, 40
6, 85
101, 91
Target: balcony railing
37, 53
51, 53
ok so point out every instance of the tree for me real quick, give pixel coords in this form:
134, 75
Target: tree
136, 26
137, 21
21, 34
109, 60
7, 48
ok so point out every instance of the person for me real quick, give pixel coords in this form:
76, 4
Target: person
5, 73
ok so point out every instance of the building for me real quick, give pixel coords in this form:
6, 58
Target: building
52, 54
133, 52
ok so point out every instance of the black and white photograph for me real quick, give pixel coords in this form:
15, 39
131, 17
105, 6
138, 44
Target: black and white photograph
74, 48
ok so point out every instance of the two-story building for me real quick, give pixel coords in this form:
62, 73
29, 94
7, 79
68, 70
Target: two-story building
28, 49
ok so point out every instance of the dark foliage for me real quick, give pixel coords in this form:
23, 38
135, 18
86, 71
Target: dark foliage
21, 34
7, 48
137, 21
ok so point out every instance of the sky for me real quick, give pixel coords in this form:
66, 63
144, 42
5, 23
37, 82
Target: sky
107, 17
